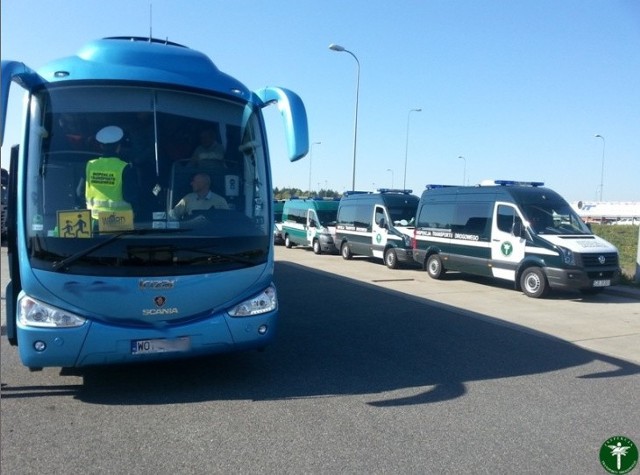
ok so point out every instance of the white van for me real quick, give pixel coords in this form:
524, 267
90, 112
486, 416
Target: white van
310, 222
377, 225
518, 231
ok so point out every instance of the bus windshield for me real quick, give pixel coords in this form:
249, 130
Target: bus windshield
194, 191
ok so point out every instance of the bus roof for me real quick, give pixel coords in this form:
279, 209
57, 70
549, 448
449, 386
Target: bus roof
145, 60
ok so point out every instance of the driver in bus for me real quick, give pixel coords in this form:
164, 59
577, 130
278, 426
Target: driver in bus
109, 180
201, 199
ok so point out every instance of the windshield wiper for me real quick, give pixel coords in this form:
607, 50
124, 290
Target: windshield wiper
240, 258
84, 252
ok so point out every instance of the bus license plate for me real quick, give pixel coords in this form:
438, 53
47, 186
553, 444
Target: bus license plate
161, 345
602, 283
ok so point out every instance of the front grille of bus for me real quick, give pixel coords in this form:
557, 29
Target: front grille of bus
593, 259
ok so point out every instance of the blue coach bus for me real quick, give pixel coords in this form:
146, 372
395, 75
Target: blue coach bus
90, 285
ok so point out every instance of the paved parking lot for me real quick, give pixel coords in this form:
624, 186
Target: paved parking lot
608, 323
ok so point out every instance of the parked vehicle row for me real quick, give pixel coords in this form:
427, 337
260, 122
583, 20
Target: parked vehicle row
516, 231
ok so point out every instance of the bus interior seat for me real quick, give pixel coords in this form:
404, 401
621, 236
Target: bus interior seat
60, 182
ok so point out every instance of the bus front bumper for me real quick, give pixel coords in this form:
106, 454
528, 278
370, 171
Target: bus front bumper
98, 343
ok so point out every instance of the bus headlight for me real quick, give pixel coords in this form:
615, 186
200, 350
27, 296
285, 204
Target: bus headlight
36, 314
568, 257
265, 301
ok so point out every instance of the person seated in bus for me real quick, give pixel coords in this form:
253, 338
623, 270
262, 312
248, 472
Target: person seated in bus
201, 199
109, 183
209, 148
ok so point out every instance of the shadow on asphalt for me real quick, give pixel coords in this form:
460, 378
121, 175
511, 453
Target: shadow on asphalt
344, 337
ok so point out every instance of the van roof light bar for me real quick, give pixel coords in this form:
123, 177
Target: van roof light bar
394, 190
435, 187
513, 183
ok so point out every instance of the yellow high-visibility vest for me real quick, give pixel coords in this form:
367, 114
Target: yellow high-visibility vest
104, 183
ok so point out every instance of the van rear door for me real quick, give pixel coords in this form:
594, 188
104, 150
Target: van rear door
507, 247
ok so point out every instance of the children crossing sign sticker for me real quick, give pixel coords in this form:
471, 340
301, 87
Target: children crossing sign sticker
619, 455
74, 223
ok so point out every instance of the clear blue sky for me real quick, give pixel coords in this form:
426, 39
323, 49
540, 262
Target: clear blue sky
519, 88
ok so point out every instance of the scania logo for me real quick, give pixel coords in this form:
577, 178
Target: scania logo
159, 301
156, 284
601, 260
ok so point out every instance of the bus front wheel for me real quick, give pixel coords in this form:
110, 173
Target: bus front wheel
533, 282
435, 269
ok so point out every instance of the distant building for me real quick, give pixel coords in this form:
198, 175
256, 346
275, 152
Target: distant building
608, 212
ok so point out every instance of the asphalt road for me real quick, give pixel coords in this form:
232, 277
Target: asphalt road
364, 378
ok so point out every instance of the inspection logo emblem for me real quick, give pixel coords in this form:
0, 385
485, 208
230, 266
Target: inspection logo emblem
506, 248
619, 455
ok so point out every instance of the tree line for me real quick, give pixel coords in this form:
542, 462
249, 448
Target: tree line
288, 193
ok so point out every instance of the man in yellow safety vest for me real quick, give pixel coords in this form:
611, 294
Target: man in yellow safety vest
106, 176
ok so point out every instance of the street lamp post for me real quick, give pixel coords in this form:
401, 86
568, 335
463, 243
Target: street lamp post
310, 159
464, 171
390, 170
340, 49
406, 148
602, 170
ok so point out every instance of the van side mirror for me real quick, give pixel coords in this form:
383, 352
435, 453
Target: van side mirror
517, 228
383, 223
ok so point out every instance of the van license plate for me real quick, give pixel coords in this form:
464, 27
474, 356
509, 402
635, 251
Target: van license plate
161, 345
602, 283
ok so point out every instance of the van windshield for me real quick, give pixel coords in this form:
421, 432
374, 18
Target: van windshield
554, 217
327, 217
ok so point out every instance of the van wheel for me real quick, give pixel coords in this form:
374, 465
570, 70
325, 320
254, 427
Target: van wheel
345, 251
287, 242
316, 247
391, 258
534, 283
435, 269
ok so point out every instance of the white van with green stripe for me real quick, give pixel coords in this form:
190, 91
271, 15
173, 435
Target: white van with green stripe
310, 222
517, 231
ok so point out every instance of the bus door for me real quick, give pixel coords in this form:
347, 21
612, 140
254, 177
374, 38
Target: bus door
312, 226
380, 231
507, 243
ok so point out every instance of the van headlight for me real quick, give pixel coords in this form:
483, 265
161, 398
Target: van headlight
265, 301
568, 256
37, 314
